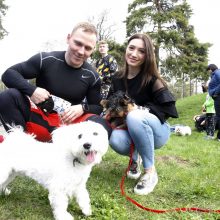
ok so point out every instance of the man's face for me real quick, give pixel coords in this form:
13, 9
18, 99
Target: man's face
81, 45
209, 71
103, 49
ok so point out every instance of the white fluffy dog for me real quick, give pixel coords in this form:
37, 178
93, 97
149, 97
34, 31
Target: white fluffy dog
183, 130
62, 167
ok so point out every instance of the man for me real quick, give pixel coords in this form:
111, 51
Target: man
214, 92
106, 66
64, 74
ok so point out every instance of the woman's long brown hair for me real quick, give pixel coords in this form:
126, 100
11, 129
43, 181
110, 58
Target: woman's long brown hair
149, 67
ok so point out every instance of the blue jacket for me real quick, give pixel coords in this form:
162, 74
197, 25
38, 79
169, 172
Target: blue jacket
214, 84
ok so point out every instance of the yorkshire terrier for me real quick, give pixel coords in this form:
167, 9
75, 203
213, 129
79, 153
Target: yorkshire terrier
116, 107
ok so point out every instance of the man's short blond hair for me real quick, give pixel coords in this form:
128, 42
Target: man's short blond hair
102, 42
86, 27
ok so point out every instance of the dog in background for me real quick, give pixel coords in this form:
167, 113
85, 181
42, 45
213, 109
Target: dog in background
183, 130
116, 107
62, 167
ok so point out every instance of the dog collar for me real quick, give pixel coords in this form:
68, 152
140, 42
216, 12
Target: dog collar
76, 160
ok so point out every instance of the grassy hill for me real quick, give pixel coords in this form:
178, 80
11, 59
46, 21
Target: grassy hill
187, 108
188, 169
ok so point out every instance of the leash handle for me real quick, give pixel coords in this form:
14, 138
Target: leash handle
158, 211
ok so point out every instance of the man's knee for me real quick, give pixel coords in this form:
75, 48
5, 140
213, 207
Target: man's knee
8, 95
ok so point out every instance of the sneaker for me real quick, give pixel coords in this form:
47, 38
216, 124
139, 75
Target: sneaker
1, 138
146, 183
208, 137
134, 171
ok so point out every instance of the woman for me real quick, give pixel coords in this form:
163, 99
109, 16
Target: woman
146, 127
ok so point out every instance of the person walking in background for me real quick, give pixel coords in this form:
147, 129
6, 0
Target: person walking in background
204, 88
64, 74
147, 125
105, 66
209, 109
214, 92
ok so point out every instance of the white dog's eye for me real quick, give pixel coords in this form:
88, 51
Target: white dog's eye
80, 136
95, 133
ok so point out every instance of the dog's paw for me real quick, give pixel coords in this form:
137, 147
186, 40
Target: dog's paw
64, 216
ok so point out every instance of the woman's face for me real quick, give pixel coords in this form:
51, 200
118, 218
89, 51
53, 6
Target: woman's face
135, 53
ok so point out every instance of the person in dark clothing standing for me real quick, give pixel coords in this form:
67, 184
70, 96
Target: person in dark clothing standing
214, 92
106, 67
63, 74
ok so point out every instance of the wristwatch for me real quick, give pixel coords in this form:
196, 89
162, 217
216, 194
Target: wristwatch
85, 107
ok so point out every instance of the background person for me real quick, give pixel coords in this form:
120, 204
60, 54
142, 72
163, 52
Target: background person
146, 128
65, 74
209, 109
105, 66
200, 122
214, 92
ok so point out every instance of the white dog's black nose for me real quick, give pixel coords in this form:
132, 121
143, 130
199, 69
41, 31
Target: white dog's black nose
87, 146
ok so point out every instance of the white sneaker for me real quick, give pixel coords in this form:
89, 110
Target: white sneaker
146, 183
135, 171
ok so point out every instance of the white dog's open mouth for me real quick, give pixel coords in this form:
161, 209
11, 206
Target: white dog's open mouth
90, 156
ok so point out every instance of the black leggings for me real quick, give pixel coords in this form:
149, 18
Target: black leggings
217, 113
15, 110
210, 124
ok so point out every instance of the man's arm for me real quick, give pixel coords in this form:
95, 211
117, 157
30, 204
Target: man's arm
113, 66
17, 76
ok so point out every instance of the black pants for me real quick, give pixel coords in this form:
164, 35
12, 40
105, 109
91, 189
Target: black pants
15, 110
210, 124
217, 113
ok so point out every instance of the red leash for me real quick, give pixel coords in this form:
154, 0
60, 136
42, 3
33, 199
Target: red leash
155, 210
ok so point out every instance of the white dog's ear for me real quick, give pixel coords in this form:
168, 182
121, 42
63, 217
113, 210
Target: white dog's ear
62, 135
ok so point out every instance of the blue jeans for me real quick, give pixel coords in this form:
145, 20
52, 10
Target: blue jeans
147, 134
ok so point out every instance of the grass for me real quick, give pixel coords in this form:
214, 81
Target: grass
188, 169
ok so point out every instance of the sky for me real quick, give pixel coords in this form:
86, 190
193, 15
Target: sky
33, 23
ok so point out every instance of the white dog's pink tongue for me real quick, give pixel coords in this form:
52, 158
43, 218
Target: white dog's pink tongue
90, 156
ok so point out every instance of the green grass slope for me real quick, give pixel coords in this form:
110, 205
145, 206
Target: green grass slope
188, 169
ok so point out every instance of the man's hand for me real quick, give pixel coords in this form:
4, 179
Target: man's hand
72, 113
39, 95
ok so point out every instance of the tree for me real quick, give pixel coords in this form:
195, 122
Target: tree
105, 30
3, 9
179, 54
189, 62
161, 19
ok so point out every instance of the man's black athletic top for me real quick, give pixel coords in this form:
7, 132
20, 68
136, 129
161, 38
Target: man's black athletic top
56, 76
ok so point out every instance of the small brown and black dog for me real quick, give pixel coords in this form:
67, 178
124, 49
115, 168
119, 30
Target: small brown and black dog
116, 107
